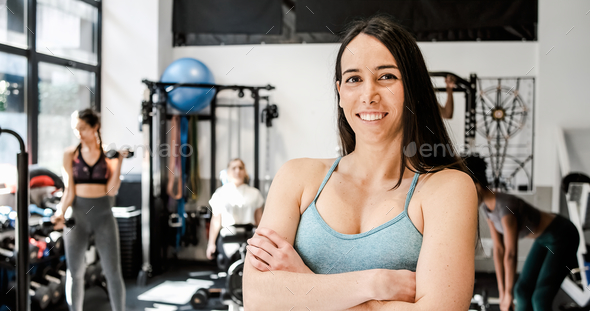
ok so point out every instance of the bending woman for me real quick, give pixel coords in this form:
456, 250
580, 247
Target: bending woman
550, 259
387, 226
90, 191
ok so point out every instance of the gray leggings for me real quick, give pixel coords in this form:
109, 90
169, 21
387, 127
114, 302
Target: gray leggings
93, 215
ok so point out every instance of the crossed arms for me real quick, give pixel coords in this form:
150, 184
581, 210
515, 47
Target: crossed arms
444, 275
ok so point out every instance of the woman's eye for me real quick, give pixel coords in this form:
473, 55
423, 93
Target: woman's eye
388, 76
353, 79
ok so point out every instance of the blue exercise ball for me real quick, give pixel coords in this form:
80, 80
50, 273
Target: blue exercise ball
189, 70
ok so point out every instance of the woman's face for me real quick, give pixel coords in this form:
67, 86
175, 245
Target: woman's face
84, 131
371, 92
236, 172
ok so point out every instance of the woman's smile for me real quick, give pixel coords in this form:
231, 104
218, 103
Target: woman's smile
371, 117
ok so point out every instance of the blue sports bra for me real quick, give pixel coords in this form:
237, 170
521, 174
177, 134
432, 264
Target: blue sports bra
393, 245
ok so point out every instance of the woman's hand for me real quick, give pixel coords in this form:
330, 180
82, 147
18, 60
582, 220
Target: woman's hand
123, 154
398, 285
271, 252
58, 221
211, 248
507, 303
450, 81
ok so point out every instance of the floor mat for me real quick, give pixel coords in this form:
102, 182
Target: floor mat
175, 292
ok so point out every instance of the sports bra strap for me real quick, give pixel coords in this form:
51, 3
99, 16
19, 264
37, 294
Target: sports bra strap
408, 197
411, 191
327, 177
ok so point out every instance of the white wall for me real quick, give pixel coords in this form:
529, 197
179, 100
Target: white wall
564, 77
303, 75
130, 47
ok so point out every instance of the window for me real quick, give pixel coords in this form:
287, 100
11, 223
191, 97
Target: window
49, 67
13, 73
61, 91
67, 28
12, 23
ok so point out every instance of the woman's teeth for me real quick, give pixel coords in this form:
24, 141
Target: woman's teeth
371, 116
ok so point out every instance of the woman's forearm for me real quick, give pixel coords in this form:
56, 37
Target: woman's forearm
115, 182
257, 216
499, 267
214, 228
281, 290
66, 200
373, 305
509, 272
449, 106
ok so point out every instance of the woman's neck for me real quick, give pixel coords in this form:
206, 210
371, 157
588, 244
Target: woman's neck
488, 196
88, 146
238, 183
377, 162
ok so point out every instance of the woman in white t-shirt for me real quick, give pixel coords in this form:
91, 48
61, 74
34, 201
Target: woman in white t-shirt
233, 203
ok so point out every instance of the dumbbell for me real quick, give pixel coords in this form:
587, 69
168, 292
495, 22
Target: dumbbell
480, 301
92, 274
54, 240
56, 243
7, 217
7, 250
41, 245
111, 154
201, 297
40, 295
54, 281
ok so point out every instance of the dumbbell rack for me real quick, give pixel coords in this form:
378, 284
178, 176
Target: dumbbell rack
22, 224
33, 266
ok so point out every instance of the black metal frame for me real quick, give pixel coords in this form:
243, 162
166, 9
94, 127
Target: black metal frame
32, 80
165, 88
470, 89
22, 225
153, 115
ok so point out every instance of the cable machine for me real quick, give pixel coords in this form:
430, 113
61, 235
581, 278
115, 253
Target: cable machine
154, 113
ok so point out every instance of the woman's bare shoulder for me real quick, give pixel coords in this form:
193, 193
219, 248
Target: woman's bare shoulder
300, 179
306, 168
450, 181
454, 176
69, 151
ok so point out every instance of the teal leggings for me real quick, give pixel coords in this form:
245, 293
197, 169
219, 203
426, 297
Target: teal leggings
550, 259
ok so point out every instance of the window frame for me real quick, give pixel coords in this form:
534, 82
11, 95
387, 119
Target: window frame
32, 79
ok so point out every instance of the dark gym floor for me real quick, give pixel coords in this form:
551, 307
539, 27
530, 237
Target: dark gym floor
96, 299
488, 282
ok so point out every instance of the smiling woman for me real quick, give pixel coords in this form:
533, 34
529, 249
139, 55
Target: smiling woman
388, 230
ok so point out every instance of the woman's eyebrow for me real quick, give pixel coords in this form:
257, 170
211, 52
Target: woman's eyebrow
350, 70
386, 67
376, 68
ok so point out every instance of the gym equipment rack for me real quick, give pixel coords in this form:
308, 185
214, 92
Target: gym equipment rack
22, 224
154, 113
470, 89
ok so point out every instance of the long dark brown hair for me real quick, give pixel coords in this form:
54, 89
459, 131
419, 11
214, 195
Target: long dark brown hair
92, 118
421, 106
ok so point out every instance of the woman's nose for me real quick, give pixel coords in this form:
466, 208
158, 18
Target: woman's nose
369, 94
